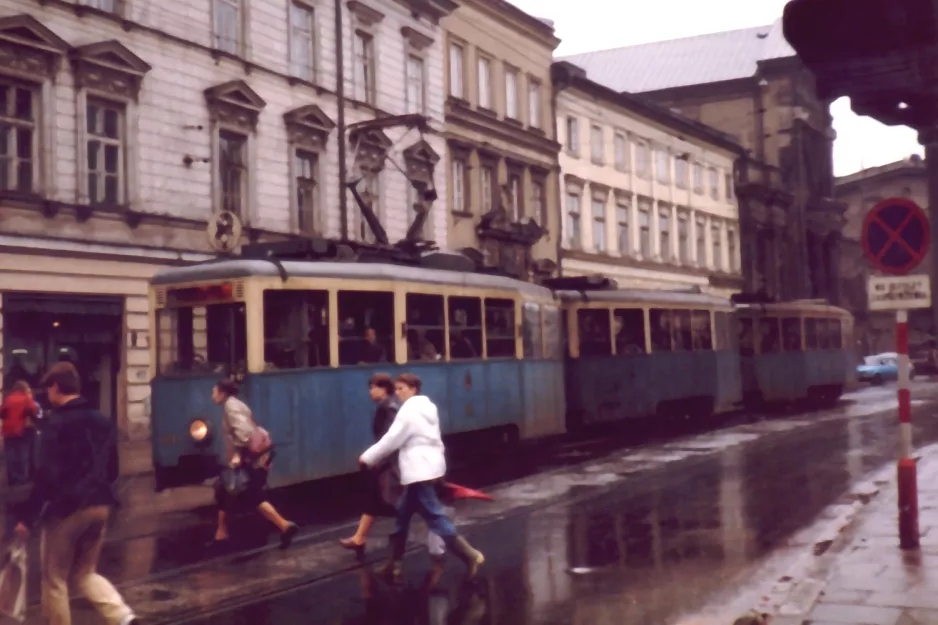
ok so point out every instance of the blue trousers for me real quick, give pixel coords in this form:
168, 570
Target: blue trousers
18, 451
421, 498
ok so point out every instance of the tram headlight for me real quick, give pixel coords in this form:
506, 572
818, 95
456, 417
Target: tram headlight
198, 431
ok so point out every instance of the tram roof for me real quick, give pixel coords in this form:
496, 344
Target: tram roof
242, 268
645, 296
796, 306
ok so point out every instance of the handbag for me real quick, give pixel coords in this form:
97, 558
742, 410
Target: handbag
235, 480
13, 582
259, 442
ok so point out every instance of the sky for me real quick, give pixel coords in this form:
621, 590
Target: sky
585, 25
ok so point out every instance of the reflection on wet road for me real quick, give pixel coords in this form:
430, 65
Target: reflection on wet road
655, 546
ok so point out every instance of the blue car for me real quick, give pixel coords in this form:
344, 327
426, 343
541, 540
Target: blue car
880, 368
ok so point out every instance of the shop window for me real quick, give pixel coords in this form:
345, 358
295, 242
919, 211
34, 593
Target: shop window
201, 340
681, 329
747, 339
791, 334
366, 327
531, 330
629, 331
836, 332
810, 334
296, 329
465, 328
553, 333
499, 328
659, 322
702, 331
426, 330
769, 335
595, 332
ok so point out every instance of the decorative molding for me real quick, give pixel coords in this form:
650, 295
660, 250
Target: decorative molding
309, 127
416, 39
570, 179
433, 10
111, 67
28, 48
364, 14
235, 103
420, 160
371, 148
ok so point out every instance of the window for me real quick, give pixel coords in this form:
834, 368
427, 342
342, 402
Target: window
629, 331
460, 204
306, 165
18, 136
228, 26
599, 224
791, 334
232, 167
595, 331
425, 327
659, 322
516, 197
499, 328
596, 144
105, 136
810, 334
717, 247
622, 231
728, 184
664, 232
747, 339
823, 337
683, 244
531, 338
701, 231
534, 103
663, 166
770, 340
302, 41
364, 67
202, 340
573, 136
836, 333
457, 79
488, 188
644, 231
366, 327
726, 337
465, 328
714, 184
680, 172
511, 94
572, 231
296, 329
641, 159
485, 83
698, 178
553, 333
731, 249
681, 330
416, 100
701, 331
109, 6
621, 149
538, 204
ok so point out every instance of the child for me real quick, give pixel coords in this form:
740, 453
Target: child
449, 495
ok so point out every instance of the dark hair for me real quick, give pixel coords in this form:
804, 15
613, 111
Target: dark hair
228, 387
382, 380
64, 376
20, 386
410, 380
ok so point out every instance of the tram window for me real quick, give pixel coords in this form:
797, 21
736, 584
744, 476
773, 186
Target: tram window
425, 327
296, 329
553, 333
200, 340
700, 325
465, 328
747, 339
791, 334
771, 340
823, 334
681, 329
659, 322
531, 330
810, 334
500, 328
721, 325
595, 332
629, 329
836, 334
366, 327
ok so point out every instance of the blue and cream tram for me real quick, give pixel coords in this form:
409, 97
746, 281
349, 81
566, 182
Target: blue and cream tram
636, 353
795, 351
306, 336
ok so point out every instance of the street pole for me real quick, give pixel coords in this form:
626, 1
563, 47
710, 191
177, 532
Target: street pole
907, 479
340, 118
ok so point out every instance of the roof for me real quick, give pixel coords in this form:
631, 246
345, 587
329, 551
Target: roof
647, 296
914, 166
715, 57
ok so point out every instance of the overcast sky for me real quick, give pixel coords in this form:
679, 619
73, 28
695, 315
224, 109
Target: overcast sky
586, 25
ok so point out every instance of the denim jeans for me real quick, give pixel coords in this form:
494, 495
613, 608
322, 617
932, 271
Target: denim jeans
18, 451
421, 498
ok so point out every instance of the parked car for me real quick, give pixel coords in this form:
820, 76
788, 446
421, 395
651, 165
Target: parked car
881, 368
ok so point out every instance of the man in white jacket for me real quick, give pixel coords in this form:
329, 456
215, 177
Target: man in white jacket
415, 434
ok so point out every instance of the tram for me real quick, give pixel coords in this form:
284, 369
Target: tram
305, 336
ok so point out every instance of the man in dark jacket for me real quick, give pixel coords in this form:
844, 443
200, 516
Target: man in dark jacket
72, 497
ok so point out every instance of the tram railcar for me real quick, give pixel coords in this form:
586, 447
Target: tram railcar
641, 353
306, 337
800, 351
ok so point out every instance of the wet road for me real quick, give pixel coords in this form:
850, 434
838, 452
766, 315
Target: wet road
622, 542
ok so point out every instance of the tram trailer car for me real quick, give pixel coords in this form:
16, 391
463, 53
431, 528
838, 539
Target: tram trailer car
800, 351
640, 353
488, 349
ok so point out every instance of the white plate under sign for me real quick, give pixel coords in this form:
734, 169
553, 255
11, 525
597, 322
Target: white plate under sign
899, 292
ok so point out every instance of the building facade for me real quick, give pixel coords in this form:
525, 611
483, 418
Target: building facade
749, 84
648, 194
128, 125
501, 148
861, 191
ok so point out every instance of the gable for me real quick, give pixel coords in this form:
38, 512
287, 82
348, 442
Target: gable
26, 30
113, 55
423, 152
309, 115
236, 93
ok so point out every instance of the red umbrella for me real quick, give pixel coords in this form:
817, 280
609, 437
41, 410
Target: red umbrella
461, 492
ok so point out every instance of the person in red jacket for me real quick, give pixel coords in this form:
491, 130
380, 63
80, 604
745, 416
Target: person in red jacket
18, 412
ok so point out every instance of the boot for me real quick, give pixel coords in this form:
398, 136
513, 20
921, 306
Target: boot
470, 557
392, 570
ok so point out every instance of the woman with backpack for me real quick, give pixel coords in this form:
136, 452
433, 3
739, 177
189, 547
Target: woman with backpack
249, 454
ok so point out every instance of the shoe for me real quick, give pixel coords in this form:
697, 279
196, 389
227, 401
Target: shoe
351, 545
286, 538
472, 558
392, 571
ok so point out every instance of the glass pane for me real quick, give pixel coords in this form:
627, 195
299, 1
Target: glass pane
660, 327
681, 329
93, 194
92, 113
111, 123
5, 100
531, 330
629, 331
769, 335
746, 338
24, 104
702, 333
24, 143
93, 149
500, 328
366, 327
791, 334
24, 175
111, 158
5, 132
111, 184
553, 333
595, 331
425, 327
296, 329
465, 328
810, 334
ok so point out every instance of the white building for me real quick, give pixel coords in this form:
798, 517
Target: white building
126, 124
648, 194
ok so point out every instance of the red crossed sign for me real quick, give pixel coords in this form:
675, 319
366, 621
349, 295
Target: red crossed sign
896, 235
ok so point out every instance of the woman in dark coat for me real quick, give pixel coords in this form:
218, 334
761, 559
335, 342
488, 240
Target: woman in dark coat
384, 480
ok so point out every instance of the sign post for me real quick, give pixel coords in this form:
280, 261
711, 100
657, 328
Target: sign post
895, 241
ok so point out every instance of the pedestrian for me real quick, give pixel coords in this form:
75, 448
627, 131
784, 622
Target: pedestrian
238, 426
449, 495
415, 434
72, 497
18, 412
384, 480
